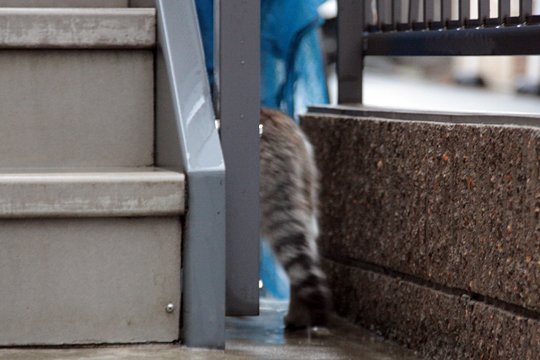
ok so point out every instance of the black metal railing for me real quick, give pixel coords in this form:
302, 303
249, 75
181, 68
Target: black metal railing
404, 15
429, 28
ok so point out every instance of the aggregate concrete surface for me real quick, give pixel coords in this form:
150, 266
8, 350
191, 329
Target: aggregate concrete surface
438, 324
435, 242
456, 204
260, 337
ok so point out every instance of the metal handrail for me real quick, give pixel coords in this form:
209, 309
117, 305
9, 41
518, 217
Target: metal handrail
186, 139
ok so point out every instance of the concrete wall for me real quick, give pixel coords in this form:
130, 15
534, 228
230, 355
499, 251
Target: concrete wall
430, 232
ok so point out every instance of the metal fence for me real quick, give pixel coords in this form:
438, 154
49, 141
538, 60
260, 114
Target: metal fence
403, 15
429, 28
237, 67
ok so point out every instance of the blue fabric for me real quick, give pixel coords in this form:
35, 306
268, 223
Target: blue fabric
291, 56
205, 13
292, 78
272, 275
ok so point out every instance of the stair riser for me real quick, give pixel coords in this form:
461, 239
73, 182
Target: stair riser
89, 281
76, 108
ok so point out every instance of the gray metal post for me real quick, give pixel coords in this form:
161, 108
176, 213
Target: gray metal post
186, 138
238, 65
350, 59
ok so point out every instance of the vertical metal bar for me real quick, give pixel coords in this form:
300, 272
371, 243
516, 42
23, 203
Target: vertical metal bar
385, 11
186, 138
446, 11
414, 11
464, 11
397, 7
504, 10
380, 10
368, 16
350, 60
483, 10
429, 11
455, 11
525, 9
239, 89
388, 10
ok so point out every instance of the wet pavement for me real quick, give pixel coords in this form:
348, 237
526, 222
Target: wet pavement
261, 337
399, 91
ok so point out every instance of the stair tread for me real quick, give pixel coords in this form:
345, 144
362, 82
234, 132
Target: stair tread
86, 172
64, 3
78, 28
99, 192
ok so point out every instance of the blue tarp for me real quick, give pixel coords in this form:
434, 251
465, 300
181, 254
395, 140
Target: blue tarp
291, 60
292, 78
292, 72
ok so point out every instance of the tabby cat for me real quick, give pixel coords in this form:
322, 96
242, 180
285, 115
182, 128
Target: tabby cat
289, 186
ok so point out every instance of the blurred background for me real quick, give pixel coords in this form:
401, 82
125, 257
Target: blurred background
487, 84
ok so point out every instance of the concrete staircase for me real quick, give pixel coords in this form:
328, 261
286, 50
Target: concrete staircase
90, 228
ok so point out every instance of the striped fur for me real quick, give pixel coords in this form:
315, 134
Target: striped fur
289, 187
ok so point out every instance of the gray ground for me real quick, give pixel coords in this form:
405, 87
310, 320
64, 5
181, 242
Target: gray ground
247, 338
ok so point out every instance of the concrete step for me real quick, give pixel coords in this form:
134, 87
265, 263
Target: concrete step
77, 28
90, 255
89, 280
83, 108
64, 3
91, 193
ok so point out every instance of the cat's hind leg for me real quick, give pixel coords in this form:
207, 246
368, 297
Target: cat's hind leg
293, 242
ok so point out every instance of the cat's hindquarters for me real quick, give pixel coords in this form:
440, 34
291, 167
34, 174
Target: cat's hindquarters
289, 186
